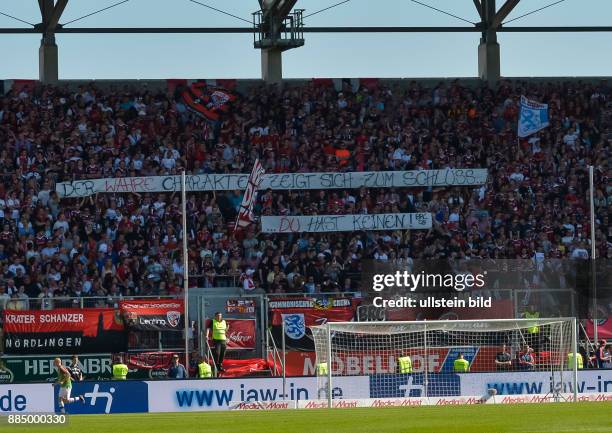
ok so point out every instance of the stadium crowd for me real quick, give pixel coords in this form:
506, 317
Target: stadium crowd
534, 202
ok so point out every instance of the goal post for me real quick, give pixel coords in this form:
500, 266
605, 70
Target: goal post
448, 358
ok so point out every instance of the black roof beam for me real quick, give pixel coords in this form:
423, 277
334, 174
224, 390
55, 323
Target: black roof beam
248, 30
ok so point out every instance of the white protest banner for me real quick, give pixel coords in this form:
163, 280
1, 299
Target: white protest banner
284, 181
345, 223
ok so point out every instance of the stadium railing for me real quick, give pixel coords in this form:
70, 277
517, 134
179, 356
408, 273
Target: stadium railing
220, 280
76, 302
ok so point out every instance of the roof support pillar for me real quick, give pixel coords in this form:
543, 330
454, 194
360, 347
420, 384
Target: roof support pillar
489, 59
48, 58
489, 68
48, 69
272, 65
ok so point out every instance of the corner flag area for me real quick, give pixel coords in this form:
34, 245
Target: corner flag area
520, 418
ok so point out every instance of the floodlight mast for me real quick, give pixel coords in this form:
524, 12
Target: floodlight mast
276, 29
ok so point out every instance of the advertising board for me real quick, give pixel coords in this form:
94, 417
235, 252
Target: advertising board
26, 398
108, 397
535, 382
20, 369
217, 394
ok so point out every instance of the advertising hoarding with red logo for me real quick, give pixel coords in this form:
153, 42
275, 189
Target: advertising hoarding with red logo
299, 314
154, 315
314, 311
382, 362
240, 335
241, 306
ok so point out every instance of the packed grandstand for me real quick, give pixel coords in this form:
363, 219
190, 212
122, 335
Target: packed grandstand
119, 245
278, 247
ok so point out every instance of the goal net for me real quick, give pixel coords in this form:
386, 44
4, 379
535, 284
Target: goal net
446, 358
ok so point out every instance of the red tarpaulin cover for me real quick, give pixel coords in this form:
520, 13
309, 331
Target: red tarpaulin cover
243, 367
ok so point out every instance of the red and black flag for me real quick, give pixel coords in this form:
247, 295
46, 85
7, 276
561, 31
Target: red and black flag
207, 101
246, 216
88, 330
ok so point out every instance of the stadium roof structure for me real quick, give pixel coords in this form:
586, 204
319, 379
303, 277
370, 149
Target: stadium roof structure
279, 26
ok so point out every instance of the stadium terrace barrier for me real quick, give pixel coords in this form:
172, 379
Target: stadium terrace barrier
105, 397
78, 302
113, 301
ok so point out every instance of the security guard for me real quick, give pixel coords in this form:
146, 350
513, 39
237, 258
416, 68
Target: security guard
120, 370
204, 369
404, 364
219, 338
533, 331
461, 365
570, 360
322, 369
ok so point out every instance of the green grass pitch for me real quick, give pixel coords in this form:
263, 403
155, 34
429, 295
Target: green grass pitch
520, 418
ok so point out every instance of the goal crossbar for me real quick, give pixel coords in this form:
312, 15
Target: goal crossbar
421, 322
434, 322
407, 327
